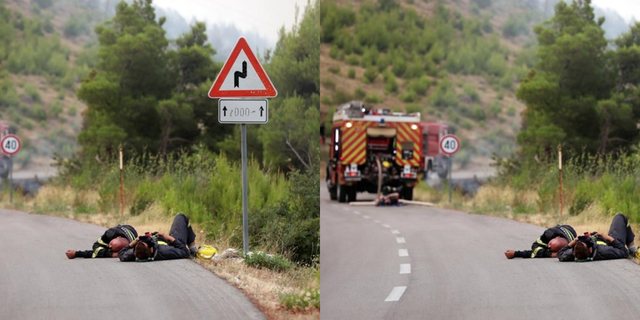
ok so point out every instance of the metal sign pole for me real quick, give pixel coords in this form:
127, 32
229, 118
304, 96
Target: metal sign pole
121, 156
245, 215
11, 180
450, 171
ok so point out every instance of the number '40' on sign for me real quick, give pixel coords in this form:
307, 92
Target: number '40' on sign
10, 144
449, 144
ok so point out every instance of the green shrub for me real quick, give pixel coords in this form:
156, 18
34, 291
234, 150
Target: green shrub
359, 93
304, 300
408, 96
351, 73
390, 83
372, 98
370, 75
267, 261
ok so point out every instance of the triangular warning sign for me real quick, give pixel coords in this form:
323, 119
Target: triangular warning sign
242, 76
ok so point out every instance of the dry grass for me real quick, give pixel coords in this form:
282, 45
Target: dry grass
262, 286
499, 201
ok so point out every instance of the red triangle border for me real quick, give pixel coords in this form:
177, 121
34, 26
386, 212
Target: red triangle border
242, 45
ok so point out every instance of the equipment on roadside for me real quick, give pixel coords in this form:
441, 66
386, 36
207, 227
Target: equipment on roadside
206, 251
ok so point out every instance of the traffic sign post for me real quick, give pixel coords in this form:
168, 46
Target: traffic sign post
10, 146
243, 111
449, 145
243, 79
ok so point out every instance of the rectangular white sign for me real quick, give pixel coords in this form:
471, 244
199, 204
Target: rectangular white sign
248, 111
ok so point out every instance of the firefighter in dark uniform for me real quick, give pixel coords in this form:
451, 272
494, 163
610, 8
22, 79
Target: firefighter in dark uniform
541, 247
618, 244
178, 244
108, 244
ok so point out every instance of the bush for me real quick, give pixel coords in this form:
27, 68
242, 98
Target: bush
351, 73
309, 298
370, 75
267, 261
390, 84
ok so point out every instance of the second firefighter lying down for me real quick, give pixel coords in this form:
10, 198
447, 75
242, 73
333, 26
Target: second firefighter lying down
178, 244
617, 244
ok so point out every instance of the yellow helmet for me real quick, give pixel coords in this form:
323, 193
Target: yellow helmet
206, 252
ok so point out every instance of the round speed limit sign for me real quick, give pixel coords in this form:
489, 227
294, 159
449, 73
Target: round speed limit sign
10, 144
449, 144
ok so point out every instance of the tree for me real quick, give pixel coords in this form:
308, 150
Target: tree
563, 90
288, 142
131, 77
150, 96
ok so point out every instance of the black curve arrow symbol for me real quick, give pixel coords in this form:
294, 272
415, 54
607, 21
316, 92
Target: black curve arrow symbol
224, 111
261, 110
237, 75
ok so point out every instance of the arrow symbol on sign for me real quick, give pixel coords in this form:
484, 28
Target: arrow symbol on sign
237, 75
224, 111
261, 111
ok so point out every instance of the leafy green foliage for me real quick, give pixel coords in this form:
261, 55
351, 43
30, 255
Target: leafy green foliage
268, 261
571, 94
309, 298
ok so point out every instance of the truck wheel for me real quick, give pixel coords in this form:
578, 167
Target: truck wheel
407, 193
342, 193
333, 193
352, 194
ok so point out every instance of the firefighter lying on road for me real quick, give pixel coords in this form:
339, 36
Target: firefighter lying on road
547, 245
618, 244
178, 244
109, 244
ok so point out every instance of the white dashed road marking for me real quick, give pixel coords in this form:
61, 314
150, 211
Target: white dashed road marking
405, 268
395, 231
366, 217
400, 240
403, 252
395, 294
376, 221
386, 226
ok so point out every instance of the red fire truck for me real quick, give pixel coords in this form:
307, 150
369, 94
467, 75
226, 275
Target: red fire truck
372, 149
434, 159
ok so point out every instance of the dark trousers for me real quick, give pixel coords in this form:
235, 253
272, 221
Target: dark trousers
181, 229
621, 230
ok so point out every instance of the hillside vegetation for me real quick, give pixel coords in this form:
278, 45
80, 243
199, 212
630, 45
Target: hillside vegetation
46, 50
457, 62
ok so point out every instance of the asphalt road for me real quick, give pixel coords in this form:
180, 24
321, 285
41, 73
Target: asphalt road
416, 262
37, 281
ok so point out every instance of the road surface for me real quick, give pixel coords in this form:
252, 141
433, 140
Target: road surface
416, 262
37, 281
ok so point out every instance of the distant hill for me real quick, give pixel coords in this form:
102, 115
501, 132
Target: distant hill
454, 61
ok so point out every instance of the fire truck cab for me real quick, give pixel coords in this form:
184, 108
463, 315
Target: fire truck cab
372, 149
434, 159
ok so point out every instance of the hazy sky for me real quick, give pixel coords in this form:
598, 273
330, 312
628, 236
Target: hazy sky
264, 17
628, 9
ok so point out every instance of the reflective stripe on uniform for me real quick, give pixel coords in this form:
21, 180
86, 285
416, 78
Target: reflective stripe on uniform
540, 242
602, 243
128, 233
95, 252
102, 242
567, 233
535, 252
162, 243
